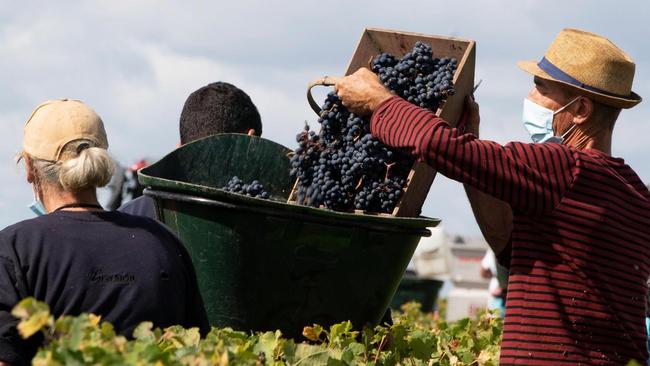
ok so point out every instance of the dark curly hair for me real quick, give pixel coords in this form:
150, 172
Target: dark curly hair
218, 108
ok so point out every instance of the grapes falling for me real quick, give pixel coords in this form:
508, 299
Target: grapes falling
343, 167
254, 189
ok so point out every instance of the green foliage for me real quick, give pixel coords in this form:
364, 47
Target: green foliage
633, 363
415, 339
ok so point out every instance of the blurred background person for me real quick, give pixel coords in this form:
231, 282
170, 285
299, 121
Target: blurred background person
497, 292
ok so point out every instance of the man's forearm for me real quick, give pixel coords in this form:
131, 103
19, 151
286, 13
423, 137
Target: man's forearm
494, 218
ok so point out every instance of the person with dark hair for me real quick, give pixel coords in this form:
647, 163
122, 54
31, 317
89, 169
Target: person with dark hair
218, 108
213, 109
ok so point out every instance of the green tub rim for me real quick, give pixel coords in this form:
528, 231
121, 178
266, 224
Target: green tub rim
411, 226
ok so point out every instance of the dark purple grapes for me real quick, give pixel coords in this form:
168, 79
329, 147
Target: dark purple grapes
254, 189
418, 77
344, 167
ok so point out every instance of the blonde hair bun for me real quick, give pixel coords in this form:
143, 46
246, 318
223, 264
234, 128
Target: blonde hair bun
92, 167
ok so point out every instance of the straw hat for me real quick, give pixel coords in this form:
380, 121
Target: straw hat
589, 64
55, 123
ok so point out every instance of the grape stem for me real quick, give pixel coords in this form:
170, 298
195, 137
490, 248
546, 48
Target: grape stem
388, 166
324, 111
359, 184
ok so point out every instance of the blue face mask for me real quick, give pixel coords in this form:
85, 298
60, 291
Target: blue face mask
37, 206
538, 121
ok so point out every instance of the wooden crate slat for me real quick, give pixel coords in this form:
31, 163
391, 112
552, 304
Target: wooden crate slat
417, 188
374, 41
463, 83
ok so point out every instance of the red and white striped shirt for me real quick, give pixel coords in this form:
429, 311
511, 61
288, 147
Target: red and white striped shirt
580, 245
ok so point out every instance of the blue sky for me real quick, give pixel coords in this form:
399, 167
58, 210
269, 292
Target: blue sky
136, 62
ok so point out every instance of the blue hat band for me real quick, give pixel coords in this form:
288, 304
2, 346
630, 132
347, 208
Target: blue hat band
560, 75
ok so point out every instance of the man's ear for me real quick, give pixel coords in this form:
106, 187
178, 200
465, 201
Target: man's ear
29, 168
583, 110
251, 132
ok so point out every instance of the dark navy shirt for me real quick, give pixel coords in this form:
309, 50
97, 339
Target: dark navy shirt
126, 268
141, 206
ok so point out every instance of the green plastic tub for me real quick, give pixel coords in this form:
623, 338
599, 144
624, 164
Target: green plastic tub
265, 264
422, 290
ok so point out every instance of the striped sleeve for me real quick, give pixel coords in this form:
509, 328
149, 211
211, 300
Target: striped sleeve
532, 178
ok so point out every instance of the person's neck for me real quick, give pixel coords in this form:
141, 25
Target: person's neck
585, 139
604, 146
57, 198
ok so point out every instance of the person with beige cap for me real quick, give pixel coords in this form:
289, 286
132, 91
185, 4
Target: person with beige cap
570, 221
79, 258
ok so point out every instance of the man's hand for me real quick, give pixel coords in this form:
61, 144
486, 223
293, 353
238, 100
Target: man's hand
362, 92
470, 118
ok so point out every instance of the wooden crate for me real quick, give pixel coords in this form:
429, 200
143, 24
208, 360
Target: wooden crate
374, 41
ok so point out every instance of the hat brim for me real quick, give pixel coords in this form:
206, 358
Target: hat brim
617, 102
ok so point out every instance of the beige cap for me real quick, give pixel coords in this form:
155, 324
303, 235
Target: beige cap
55, 123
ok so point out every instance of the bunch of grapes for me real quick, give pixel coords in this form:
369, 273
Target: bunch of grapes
337, 166
254, 189
344, 167
418, 77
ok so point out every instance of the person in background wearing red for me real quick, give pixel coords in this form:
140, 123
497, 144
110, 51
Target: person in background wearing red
578, 243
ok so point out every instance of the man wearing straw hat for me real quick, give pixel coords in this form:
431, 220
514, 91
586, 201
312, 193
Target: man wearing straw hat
578, 244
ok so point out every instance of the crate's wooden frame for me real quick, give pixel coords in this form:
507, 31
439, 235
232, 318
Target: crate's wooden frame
374, 41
